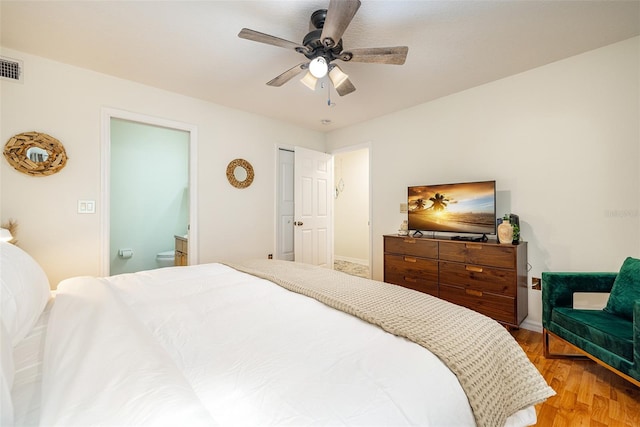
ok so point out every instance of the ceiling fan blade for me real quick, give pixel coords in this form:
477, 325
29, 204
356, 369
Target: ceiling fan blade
257, 36
378, 55
339, 16
341, 81
288, 75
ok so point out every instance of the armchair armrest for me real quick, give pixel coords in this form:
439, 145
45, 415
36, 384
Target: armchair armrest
558, 288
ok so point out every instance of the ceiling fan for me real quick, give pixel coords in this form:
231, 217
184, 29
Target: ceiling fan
323, 44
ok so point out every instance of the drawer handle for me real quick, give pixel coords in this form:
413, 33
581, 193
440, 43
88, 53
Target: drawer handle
473, 268
410, 279
410, 259
409, 240
473, 246
474, 293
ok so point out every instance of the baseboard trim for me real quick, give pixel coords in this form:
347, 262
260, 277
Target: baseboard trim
531, 325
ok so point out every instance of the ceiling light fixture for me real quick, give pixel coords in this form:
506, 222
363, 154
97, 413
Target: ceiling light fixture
309, 81
337, 76
318, 67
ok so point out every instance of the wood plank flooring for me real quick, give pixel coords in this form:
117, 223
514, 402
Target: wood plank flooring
587, 394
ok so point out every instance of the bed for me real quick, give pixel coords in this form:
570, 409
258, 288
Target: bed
257, 343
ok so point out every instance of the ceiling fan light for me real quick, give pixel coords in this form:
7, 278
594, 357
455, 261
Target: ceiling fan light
337, 76
319, 67
309, 81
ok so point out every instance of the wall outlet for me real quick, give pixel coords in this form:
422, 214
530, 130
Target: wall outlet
404, 208
536, 283
270, 256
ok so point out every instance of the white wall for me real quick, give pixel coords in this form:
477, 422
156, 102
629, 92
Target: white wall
66, 102
562, 141
351, 207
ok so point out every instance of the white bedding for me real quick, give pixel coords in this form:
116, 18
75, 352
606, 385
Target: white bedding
207, 345
28, 355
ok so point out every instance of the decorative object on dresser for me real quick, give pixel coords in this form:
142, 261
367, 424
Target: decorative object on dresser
404, 229
487, 277
182, 251
35, 153
505, 231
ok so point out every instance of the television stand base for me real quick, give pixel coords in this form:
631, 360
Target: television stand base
417, 233
484, 238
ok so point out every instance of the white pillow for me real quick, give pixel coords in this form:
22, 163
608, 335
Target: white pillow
24, 293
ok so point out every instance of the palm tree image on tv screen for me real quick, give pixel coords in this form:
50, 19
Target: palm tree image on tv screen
463, 207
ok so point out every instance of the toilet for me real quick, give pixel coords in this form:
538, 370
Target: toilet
166, 258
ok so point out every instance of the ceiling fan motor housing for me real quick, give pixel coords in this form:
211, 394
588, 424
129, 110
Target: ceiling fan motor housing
317, 19
313, 39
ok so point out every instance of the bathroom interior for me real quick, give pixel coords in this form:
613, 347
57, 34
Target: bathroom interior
149, 196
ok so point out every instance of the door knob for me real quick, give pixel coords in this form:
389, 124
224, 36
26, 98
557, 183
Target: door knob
297, 223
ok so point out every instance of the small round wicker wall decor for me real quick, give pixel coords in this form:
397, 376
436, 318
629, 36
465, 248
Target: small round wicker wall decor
35, 153
240, 173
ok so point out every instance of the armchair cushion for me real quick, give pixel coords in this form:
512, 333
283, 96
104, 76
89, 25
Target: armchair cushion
612, 333
626, 289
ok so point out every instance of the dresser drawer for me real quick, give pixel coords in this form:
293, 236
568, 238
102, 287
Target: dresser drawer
412, 272
477, 277
410, 246
503, 256
498, 307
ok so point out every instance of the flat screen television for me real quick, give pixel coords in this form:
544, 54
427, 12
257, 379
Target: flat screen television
467, 208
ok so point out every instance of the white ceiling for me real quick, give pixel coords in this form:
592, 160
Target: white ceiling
191, 47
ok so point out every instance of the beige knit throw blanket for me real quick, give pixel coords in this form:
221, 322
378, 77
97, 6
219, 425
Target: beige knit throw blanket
493, 370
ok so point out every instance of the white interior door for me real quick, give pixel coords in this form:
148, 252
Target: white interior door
313, 196
285, 229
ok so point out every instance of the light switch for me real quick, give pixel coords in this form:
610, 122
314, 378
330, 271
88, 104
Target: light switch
86, 206
404, 207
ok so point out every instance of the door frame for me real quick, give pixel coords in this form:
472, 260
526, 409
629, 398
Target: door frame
364, 145
361, 146
111, 113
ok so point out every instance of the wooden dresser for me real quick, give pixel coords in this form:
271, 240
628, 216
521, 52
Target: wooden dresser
487, 277
182, 251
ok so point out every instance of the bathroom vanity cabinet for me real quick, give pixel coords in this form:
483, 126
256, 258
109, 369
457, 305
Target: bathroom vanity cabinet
182, 250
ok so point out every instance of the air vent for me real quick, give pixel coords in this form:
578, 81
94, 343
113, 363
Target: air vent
11, 69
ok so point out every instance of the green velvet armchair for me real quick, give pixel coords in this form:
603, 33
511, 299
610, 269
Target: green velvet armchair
610, 337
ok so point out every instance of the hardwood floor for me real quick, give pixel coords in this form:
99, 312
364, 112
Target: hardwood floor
587, 394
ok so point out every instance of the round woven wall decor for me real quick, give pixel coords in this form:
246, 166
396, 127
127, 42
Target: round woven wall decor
36, 154
248, 169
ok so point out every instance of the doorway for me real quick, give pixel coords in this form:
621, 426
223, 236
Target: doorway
355, 208
352, 225
148, 191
